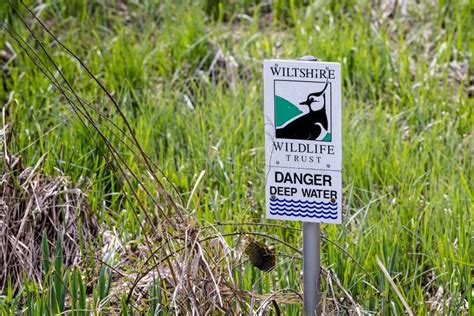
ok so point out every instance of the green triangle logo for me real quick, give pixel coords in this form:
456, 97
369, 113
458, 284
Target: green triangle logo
284, 111
327, 138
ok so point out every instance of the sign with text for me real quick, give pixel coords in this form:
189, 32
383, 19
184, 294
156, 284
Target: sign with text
303, 141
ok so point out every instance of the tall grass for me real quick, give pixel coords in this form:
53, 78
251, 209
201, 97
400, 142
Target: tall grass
407, 124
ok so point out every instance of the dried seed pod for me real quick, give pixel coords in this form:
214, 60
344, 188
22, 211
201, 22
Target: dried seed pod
261, 256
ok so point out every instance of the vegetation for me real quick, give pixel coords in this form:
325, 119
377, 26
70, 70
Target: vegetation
174, 174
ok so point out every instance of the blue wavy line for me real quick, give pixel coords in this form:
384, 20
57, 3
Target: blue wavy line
301, 215
308, 203
300, 211
302, 206
303, 202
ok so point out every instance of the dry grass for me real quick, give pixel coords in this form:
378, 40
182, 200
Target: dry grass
33, 204
192, 267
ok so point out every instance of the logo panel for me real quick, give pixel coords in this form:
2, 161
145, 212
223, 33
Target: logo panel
303, 110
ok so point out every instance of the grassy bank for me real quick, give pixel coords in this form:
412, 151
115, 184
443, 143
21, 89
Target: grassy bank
188, 78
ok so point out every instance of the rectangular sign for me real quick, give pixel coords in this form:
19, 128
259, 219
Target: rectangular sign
303, 141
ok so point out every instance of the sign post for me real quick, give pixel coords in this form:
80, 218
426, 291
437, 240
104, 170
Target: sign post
311, 268
303, 149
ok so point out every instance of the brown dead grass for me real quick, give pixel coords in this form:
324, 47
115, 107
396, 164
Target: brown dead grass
33, 204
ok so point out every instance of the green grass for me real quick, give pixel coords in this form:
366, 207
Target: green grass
407, 122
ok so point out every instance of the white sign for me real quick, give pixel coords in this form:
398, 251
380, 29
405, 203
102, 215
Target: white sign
303, 141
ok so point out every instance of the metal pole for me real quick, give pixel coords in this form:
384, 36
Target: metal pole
311, 259
311, 268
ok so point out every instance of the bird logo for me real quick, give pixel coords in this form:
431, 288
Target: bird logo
307, 124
